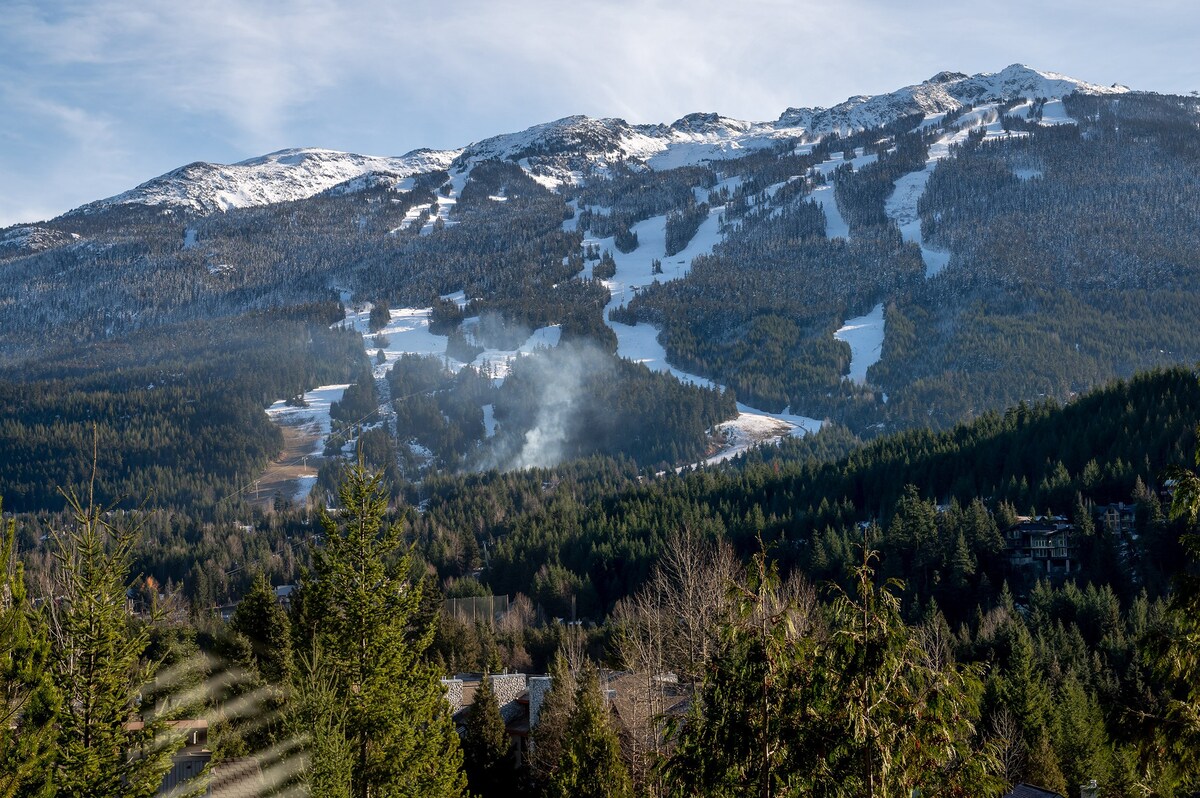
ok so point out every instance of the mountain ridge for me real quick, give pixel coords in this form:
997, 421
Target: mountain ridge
567, 149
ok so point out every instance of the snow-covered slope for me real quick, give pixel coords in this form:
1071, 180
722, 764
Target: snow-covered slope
279, 177
575, 146
17, 241
572, 148
943, 93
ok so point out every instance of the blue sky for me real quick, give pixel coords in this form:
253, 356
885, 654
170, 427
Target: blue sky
96, 97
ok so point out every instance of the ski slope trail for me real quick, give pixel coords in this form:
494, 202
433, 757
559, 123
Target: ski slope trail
865, 336
639, 343
901, 205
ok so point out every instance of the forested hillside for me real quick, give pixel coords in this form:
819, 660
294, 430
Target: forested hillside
813, 571
1009, 246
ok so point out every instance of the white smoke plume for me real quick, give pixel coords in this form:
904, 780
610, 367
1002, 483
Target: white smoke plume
557, 381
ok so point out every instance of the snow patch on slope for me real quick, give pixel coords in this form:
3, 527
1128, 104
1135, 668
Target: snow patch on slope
865, 336
640, 344
313, 417
901, 205
943, 93
278, 177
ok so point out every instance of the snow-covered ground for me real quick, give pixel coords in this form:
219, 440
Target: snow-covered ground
446, 203
311, 422
314, 417
837, 160
635, 271
865, 336
835, 225
408, 334
410, 218
1055, 113
278, 177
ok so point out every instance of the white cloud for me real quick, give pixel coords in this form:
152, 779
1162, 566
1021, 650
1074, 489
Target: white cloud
130, 87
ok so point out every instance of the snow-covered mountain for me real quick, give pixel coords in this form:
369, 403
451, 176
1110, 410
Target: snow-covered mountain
943, 93
278, 177
575, 145
570, 149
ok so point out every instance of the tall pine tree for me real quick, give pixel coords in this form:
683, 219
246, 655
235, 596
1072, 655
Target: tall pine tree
486, 747
28, 701
591, 765
550, 732
366, 607
108, 744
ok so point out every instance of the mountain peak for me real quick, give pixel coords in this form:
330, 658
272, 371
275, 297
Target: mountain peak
280, 176
568, 149
947, 77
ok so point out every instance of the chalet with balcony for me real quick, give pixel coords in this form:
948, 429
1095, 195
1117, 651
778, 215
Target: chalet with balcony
1045, 544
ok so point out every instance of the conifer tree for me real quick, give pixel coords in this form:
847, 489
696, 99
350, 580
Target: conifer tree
908, 719
1177, 657
591, 760
317, 714
550, 733
108, 744
261, 620
365, 607
743, 735
261, 643
486, 745
27, 697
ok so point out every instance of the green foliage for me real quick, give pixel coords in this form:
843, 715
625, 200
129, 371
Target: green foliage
487, 754
1176, 653
591, 765
178, 409
100, 668
549, 736
318, 715
855, 703
365, 609
29, 700
261, 620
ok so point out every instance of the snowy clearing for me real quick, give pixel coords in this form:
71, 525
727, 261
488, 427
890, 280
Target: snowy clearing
314, 418
837, 160
446, 203
408, 334
1055, 113
305, 431
865, 336
835, 225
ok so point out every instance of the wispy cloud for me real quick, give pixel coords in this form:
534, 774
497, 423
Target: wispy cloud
134, 88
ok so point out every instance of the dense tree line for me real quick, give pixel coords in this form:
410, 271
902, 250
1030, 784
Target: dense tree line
178, 411
877, 640
1070, 263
